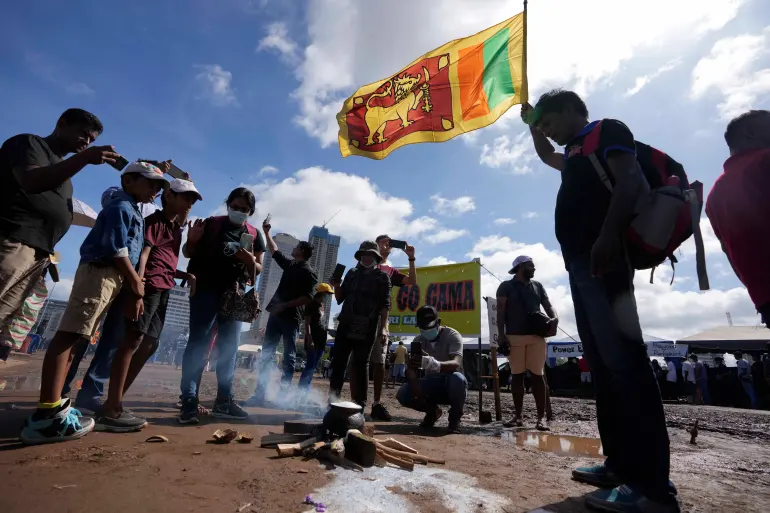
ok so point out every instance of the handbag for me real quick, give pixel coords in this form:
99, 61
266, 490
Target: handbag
240, 305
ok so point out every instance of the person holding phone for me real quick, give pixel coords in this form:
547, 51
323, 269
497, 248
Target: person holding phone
379, 352
296, 289
219, 263
36, 200
438, 351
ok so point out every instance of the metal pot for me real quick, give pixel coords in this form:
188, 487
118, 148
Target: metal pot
343, 416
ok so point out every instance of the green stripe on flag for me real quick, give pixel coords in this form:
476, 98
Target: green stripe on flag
498, 83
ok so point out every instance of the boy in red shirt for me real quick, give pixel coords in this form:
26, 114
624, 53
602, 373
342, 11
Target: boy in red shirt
738, 205
145, 316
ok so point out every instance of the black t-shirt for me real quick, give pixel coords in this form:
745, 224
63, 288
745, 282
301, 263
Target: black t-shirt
521, 300
583, 199
315, 312
37, 220
298, 280
214, 269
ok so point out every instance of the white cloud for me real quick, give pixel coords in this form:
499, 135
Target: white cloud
346, 50
216, 84
530, 215
646, 79
516, 154
501, 221
729, 70
452, 207
278, 40
268, 170
314, 194
445, 235
440, 260
60, 290
56, 73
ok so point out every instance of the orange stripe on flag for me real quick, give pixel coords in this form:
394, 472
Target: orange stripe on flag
470, 74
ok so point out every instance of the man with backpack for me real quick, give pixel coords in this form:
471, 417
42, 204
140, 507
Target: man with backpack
602, 183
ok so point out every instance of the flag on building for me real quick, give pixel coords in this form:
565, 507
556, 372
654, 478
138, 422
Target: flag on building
462, 86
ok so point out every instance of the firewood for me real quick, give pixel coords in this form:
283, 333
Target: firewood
418, 458
403, 463
272, 440
395, 444
285, 450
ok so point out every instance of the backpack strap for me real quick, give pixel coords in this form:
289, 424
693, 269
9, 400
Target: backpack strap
590, 147
693, 197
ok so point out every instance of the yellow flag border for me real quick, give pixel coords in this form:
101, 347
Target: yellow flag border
452, 48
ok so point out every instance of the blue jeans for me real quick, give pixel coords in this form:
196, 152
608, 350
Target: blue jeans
113, 331
438, 389
204, 314
629, 410
277, 328
748, 387
313, 357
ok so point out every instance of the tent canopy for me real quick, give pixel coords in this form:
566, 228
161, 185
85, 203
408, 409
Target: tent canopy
249, 348
731, 338
645, 337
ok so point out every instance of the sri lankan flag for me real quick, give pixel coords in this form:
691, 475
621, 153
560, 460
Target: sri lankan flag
462, 86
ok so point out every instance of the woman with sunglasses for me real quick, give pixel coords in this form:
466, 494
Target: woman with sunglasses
219, 260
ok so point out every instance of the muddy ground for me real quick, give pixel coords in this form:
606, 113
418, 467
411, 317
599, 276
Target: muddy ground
488, 468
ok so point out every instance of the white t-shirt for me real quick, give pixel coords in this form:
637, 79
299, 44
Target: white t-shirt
688, 373
671, 375
743, 367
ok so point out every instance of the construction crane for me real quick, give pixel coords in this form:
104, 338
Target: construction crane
330, 219
729, 319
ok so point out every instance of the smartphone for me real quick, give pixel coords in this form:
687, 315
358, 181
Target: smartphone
247, 240
268, 219
416, 354
120, 163
177, 173
398, 244
337, 274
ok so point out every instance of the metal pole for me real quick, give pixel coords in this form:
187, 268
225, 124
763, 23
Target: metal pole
496, 384
480, 381
524, 81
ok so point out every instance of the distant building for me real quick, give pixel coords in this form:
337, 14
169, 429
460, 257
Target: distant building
178, 309
325, 250
271, 276
50, 315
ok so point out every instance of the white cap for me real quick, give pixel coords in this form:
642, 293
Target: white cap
181, 186
518, 261
146, 170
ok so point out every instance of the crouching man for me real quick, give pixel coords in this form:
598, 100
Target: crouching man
442, 360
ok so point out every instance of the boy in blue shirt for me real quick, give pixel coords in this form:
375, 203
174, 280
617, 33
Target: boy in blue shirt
108, 257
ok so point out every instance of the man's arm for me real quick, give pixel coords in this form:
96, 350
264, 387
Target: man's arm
34, 178
411, 278
143, 260
543, 146
384, 297
620, 155
502, 303
272, 247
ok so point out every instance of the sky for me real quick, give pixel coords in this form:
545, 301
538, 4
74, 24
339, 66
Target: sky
246, 91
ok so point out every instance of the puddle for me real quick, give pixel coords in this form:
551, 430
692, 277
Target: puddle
368, 492
562, 445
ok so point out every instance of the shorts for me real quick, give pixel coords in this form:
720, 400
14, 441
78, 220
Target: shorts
379, 352
93, 290
20, 269
151, 322
399, 370
528, 353
585, 377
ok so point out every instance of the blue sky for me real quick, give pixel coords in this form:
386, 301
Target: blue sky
245, 92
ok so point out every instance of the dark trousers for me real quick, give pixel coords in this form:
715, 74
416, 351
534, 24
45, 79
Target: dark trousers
629, 409
360, 350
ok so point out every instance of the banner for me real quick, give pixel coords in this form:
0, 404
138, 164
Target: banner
565, 349
455, 291
492, 318
667, 349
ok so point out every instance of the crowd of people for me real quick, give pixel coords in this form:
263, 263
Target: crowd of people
128, 264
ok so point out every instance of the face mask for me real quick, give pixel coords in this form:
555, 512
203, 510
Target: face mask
431, 334
368, 264
237, 217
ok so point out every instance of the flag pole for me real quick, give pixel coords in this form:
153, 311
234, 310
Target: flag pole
525, 81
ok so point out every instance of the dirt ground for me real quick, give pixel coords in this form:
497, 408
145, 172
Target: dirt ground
505, 471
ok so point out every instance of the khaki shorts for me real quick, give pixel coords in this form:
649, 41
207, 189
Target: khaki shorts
528, 353
20, 268
379, 352
93, 289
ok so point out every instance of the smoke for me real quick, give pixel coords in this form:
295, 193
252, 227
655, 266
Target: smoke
290, 397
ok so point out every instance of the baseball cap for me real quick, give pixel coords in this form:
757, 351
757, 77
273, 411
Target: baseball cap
427, 317
324, 288
147, 170
181, 186
518, 261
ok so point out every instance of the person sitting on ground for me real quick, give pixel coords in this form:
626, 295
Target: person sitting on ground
108, 257
442, 360
365, 298
523, 329
157, 266
316, 323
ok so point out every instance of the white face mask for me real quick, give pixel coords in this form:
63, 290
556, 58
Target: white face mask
368, 265
237, 217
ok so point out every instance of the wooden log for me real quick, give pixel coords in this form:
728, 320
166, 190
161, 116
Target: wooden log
395, 444
339, 461
301, 426
399, 462
274, 439
286, 450
418, 458
360, 448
